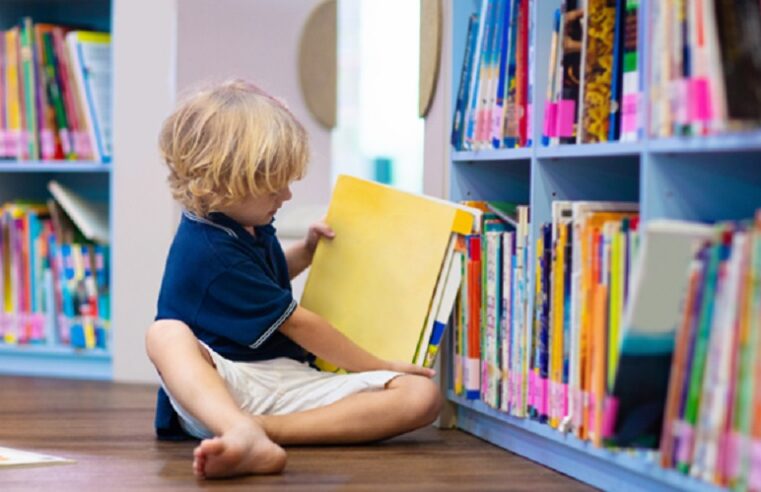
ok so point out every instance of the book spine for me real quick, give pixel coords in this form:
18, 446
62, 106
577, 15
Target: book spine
462, 92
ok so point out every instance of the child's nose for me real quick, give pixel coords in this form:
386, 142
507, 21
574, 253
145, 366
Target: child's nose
286, 195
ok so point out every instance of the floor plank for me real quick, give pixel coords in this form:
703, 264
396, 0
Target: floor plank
107, 429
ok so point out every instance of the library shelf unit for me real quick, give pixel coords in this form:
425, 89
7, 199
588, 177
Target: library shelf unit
704, 179
27, 180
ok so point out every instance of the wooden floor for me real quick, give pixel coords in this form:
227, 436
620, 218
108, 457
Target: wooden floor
107, 429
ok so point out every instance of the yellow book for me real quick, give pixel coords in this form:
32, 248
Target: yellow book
375, 280
13, 114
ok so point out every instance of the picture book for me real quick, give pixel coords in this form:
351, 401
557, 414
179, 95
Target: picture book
376, 280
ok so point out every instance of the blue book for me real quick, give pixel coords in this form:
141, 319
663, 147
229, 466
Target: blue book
503, 52
616, 84
458, 123
471, 115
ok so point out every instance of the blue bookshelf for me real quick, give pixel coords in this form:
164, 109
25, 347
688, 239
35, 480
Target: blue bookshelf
54, 167
604, 468
492, 155
53, 361
706, 179
27, 180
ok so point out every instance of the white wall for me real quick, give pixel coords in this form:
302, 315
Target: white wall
144, 215
257, 40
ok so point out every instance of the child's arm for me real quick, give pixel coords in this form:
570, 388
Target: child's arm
299, 256
320, 338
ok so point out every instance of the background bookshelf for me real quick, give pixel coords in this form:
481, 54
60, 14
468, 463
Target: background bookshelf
28, 179
701, 178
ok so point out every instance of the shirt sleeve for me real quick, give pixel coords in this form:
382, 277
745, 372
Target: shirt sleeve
244, 305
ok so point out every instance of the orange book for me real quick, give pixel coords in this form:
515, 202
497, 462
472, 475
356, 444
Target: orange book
599, 372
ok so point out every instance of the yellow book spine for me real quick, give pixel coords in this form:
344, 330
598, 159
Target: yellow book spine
556, 342
615, 302
13, 98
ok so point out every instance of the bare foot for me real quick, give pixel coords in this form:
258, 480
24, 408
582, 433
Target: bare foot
244, 450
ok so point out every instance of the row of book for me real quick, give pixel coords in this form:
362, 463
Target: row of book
705, 66
712, 422
54, 283
493, 106
594, 355
492, 306
594, 84
702, 72
55, 93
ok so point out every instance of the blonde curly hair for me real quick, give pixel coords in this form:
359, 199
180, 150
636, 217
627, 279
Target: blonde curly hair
229, 142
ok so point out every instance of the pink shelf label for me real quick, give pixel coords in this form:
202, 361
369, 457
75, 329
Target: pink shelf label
65, 137
550, 119
471, 374
732, 444
543, 406
563, 400
566, 114
630, 104
701, 99
754, 480
684, 434
47, 144
3, 143
13, 143
610, 412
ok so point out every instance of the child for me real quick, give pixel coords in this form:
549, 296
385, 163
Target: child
230, 343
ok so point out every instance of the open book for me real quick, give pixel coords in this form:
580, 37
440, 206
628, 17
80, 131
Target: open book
15, 457
389, 278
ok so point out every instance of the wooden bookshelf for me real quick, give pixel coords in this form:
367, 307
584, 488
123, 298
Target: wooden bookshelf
707, 179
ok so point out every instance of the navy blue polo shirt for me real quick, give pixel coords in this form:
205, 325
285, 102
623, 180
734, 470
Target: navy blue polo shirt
232, 289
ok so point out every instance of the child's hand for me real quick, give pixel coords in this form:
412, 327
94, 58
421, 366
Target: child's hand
317, 231
408, 368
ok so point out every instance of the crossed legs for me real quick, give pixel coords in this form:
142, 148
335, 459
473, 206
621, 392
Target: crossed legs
246, 444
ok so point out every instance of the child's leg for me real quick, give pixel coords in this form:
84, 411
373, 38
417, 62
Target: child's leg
408, 402
186, 368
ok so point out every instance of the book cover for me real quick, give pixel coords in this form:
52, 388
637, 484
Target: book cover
598, 70
90, 57
374, 282
458, 121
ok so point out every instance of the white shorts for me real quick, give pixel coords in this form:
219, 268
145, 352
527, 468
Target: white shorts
281, 386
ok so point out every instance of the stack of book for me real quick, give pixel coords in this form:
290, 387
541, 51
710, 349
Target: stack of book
54, 280
493, 107
55, 93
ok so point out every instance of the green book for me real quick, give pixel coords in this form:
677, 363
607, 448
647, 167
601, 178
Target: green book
54, 93
30, 88
719, 254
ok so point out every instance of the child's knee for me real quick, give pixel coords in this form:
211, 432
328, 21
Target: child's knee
424, 399
164, 333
